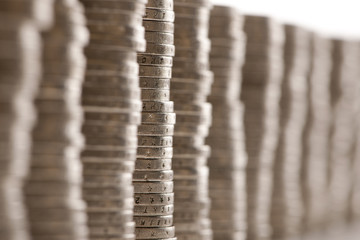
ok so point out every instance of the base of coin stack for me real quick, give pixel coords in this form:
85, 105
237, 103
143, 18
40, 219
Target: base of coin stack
228, 157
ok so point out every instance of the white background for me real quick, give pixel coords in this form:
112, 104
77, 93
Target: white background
336, 18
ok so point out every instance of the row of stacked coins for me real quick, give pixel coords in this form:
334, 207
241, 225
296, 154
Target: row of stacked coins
316, 136
344, 82
20, 69
228, 156
111, 100
153, 176
262, 74
53, 190
286, 200
190, 86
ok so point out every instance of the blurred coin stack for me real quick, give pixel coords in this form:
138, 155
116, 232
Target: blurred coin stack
344, 80
53, 188
316, 135
190, 86
20, 69
262, 75
111, 100
226, 136
286, 200
153, 176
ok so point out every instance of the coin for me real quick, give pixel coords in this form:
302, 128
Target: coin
153, 198
153, 210
154, 221
153, 187
155, 233
153, 175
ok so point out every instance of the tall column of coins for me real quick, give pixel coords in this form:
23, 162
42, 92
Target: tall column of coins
190, 86
316, 135
226, 136
352, 211
262, 75
343, 79
286, 200
53, 189
111, 100
20, 69
153, 176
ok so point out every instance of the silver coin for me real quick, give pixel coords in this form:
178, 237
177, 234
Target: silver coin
156, 130
159, 15
158, 118
156, 26
154, 71
155, 233
153, 164
154, 83
155, 94
162, 4
158, 106
153, 187
153, 221
154, 152
153, 210
160, 49
155, 141
159, 37
153, 198
147, 175
154, 60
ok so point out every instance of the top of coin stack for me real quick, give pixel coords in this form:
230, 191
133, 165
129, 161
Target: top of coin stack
287, 202
53, 189
190, 86
262, 75
153, 176
316, 135
228, 156
111, 100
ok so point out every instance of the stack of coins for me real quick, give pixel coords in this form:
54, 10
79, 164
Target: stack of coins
262, 75
286, 199
316, 135
190, 86
111, 100
20, 69
153, 176
226, 136
53, 190
344, 80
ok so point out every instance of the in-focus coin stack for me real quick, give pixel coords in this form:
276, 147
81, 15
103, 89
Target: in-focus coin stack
190, 86
344, 82
316, 136
153, 176
262, 75
53, 189
20, 69
111, 100
287, 205
226, 137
